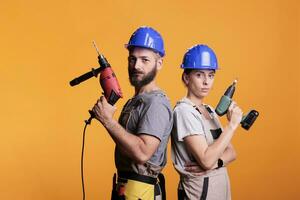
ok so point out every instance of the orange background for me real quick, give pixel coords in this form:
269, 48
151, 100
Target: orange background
44, 44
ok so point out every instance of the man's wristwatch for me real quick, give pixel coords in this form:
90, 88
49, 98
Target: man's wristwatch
220, 163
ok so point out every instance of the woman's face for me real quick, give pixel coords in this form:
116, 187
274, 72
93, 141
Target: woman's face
199, 82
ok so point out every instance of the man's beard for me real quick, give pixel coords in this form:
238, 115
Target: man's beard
145, 80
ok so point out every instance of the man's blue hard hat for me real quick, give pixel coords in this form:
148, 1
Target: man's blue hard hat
147, 37
200, 57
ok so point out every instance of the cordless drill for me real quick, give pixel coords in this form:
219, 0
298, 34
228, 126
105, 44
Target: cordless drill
108, 81
225, 102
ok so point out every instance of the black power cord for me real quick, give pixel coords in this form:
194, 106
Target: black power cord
87, 122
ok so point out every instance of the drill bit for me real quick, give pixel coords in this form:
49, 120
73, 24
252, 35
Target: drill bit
235, 81
94, 43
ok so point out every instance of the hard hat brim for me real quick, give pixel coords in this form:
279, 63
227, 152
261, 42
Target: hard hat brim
127, 46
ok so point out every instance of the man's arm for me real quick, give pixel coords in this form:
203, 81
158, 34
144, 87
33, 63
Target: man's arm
138, 148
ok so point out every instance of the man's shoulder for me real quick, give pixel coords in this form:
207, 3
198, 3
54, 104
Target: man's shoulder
157, 97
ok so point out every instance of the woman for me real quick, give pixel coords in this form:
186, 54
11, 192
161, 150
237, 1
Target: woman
201, 148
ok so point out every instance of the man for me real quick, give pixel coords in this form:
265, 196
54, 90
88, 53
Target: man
143, 129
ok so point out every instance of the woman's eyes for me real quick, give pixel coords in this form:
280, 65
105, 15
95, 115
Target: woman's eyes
201, 75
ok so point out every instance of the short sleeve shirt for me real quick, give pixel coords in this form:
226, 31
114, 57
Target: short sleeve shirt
189, 121
151, 114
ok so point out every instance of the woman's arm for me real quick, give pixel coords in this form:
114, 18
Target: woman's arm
229, 155
207, 156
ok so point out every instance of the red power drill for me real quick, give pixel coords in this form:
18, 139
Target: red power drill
108, 81
111, 89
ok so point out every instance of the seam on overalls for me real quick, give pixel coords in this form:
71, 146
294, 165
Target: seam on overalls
204, 188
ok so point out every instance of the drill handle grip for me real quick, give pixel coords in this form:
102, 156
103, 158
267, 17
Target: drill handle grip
86, 76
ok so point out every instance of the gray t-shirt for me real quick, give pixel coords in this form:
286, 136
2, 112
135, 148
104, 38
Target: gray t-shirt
151, 114
189, 121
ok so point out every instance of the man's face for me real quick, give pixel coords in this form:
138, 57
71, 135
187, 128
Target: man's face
142, 66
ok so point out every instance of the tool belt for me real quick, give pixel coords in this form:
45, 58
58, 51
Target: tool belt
137, 177
159, 186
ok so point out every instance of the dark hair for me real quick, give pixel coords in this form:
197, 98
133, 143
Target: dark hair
187, 72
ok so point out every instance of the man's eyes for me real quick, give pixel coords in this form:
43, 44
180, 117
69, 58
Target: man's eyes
132, 59
145, 60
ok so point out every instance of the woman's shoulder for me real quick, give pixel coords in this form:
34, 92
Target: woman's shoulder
184, 106
184, 102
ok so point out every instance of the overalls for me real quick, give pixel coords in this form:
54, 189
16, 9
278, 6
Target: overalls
213, 185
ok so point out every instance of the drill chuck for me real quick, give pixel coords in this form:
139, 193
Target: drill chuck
102, 61
230, 90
